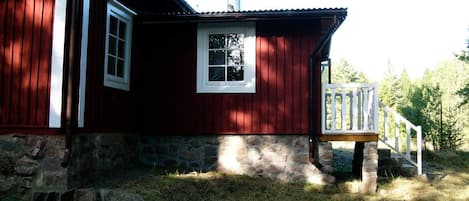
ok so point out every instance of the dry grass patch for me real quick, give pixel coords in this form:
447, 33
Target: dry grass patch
447, 179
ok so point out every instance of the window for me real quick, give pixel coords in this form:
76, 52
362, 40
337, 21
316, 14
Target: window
226, 54
118, 43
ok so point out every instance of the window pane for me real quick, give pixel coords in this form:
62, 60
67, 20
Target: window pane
121, 50
120, 68
235, 41
235, 73
112, 45
216, 74
111, 65
235, 57
216, 57
122, 29
216, 41
113, 25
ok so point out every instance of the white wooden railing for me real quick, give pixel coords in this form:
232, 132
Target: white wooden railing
349, 109
392, 140
353, 109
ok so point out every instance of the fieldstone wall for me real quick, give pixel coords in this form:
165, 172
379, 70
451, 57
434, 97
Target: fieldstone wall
325, 157
365, 164
94, 155
31, 162
284, 157
370, 167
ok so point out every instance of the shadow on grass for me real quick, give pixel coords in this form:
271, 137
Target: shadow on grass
180, 185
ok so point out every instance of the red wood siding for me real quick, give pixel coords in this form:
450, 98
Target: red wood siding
25, 59
164, 64
106, 108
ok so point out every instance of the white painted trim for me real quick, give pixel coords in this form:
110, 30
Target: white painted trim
246, 86
57, 63
83, 64
124, 14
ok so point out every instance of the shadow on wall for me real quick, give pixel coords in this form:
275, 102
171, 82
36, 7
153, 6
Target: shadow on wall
25, 53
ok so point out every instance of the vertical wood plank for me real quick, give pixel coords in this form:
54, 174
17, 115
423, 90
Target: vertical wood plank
264, 92
304, 82
7, 60
3, 20
240, 113
26, 67
272, 84
280, 108
288, 83
296, 82
44, 66
256, 98
35, 60
17, 63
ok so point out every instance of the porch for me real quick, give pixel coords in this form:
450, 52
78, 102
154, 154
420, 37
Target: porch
353, 112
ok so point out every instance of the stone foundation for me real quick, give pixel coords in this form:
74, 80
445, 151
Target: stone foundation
31, 162
284, 157
94, 155
325, 157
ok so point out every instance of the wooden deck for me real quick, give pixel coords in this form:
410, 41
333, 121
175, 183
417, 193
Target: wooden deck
362, 137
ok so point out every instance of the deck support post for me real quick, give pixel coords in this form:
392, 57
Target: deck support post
370, 167
365, 165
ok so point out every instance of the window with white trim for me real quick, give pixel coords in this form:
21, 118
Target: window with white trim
226, 58
118, 43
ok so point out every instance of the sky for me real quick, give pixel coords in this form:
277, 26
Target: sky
410, 34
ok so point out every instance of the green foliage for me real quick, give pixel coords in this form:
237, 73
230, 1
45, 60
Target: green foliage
344, 72
423, 110
395, 90
464, 93
432, 102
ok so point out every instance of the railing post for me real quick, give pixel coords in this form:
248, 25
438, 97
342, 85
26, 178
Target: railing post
419, 150
344, 113
366, 109
333, 104
323, 109
376, 108
354, 109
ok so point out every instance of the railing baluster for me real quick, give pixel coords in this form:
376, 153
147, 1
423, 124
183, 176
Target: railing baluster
396, 137
354, 109
333, 104
419, 150
365, 110
323, 108
359, 110
356, 102
407, 127
375, 109
344, 111
418, 129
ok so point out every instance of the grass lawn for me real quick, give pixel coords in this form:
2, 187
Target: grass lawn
447, 179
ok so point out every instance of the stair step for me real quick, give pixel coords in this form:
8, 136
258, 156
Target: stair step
408, 170
390, 162
384, 153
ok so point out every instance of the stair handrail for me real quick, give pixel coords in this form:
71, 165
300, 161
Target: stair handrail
409, 125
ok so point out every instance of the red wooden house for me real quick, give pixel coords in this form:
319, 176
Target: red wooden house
155, 82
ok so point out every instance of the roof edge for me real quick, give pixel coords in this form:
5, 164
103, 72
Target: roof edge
251, 15
184, 6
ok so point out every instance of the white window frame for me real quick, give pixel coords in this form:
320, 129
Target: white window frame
122, 13
248, 85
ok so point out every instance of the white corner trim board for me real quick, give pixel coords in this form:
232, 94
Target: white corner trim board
83, 63
58, 39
